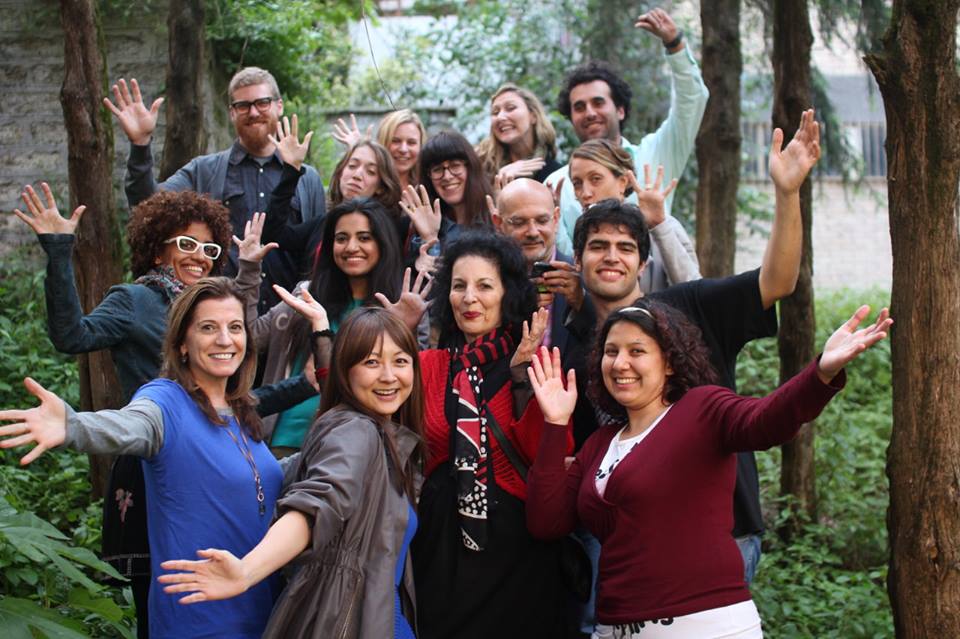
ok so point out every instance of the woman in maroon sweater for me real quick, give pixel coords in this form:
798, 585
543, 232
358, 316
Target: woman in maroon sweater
656, 487
478, 571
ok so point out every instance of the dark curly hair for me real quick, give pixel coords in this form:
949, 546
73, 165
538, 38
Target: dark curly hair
615, 213
678, 338
166, 214
595, 70
519, 293
450, 145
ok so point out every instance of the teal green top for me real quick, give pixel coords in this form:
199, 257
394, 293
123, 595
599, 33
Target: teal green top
293, 423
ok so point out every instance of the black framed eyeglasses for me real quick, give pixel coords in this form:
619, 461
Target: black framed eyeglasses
243, 106
186, 244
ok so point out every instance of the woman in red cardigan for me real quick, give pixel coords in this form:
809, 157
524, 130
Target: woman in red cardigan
478, 571
655, 488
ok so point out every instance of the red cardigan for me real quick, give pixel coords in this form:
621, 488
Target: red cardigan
664, 521
523, 433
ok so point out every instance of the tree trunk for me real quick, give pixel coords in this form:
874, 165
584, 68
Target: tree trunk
90, 166
718, 142
917, 74
185, 138
792, 39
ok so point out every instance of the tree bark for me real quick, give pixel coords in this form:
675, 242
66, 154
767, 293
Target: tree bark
185, 138
792, 40
718, 142
917, 74
90, 169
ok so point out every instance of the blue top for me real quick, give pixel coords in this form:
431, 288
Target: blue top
201, 494
401, 627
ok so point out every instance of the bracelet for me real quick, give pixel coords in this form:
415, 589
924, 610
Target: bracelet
675, 42
324, 333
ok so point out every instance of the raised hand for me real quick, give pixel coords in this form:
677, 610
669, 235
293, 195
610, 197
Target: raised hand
348, 135
249, 247
45, 425
46, 218
650, 198
519, 169
288, 144
137, 122
310, 308
533, 333
557, 190
219, 575
413, 299
426, 219
847, 342
546, 377
659, 23
789, 167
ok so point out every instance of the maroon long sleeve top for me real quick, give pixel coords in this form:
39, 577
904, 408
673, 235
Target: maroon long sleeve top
664, 520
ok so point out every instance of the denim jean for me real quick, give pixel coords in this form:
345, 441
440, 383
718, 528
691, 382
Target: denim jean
750, 549
587, 611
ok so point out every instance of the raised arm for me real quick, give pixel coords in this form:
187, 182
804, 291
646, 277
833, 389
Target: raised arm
69, 330
678, 255
551, 487
136, 429
788, 169
293, 152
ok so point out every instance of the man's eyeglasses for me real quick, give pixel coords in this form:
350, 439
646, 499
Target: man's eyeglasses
186, 244
456, 168
243, 106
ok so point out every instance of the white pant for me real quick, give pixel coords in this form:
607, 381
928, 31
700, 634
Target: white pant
737, 621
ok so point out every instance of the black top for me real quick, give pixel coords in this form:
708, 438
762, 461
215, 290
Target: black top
729, 312
549, 167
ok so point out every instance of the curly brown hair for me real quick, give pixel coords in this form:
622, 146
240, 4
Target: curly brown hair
165, 214
678, 338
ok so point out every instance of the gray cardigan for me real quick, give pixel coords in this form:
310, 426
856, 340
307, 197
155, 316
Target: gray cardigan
352, 497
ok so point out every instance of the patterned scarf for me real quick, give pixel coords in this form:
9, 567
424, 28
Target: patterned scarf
163, 279
478, 371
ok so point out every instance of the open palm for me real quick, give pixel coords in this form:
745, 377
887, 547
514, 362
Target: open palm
556, 400
847, 342
789, 167
218, 576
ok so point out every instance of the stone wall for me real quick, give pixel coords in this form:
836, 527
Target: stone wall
33, 144
851, 236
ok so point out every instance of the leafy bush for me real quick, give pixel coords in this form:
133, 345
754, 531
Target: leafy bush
829, 580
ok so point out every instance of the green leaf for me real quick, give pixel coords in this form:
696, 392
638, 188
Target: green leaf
21, 619
103, 606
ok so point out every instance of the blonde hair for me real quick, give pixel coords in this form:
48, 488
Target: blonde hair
494, 155
389, 125
607, 154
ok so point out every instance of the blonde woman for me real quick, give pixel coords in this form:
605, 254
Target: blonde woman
522, 141
401, 132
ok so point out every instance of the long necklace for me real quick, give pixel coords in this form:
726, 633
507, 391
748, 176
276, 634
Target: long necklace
245, 451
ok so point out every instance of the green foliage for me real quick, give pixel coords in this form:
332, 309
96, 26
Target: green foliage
48, 586
829, 580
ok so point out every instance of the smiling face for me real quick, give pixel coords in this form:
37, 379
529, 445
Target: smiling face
476, 295
404, 147
215, 343
188, 267
593, 182
361, 175
611, 264
634, 369
255, 125
449, 179
593, 112
355, 250
510, 120
383, 380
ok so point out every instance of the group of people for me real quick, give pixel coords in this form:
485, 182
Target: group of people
467, 392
